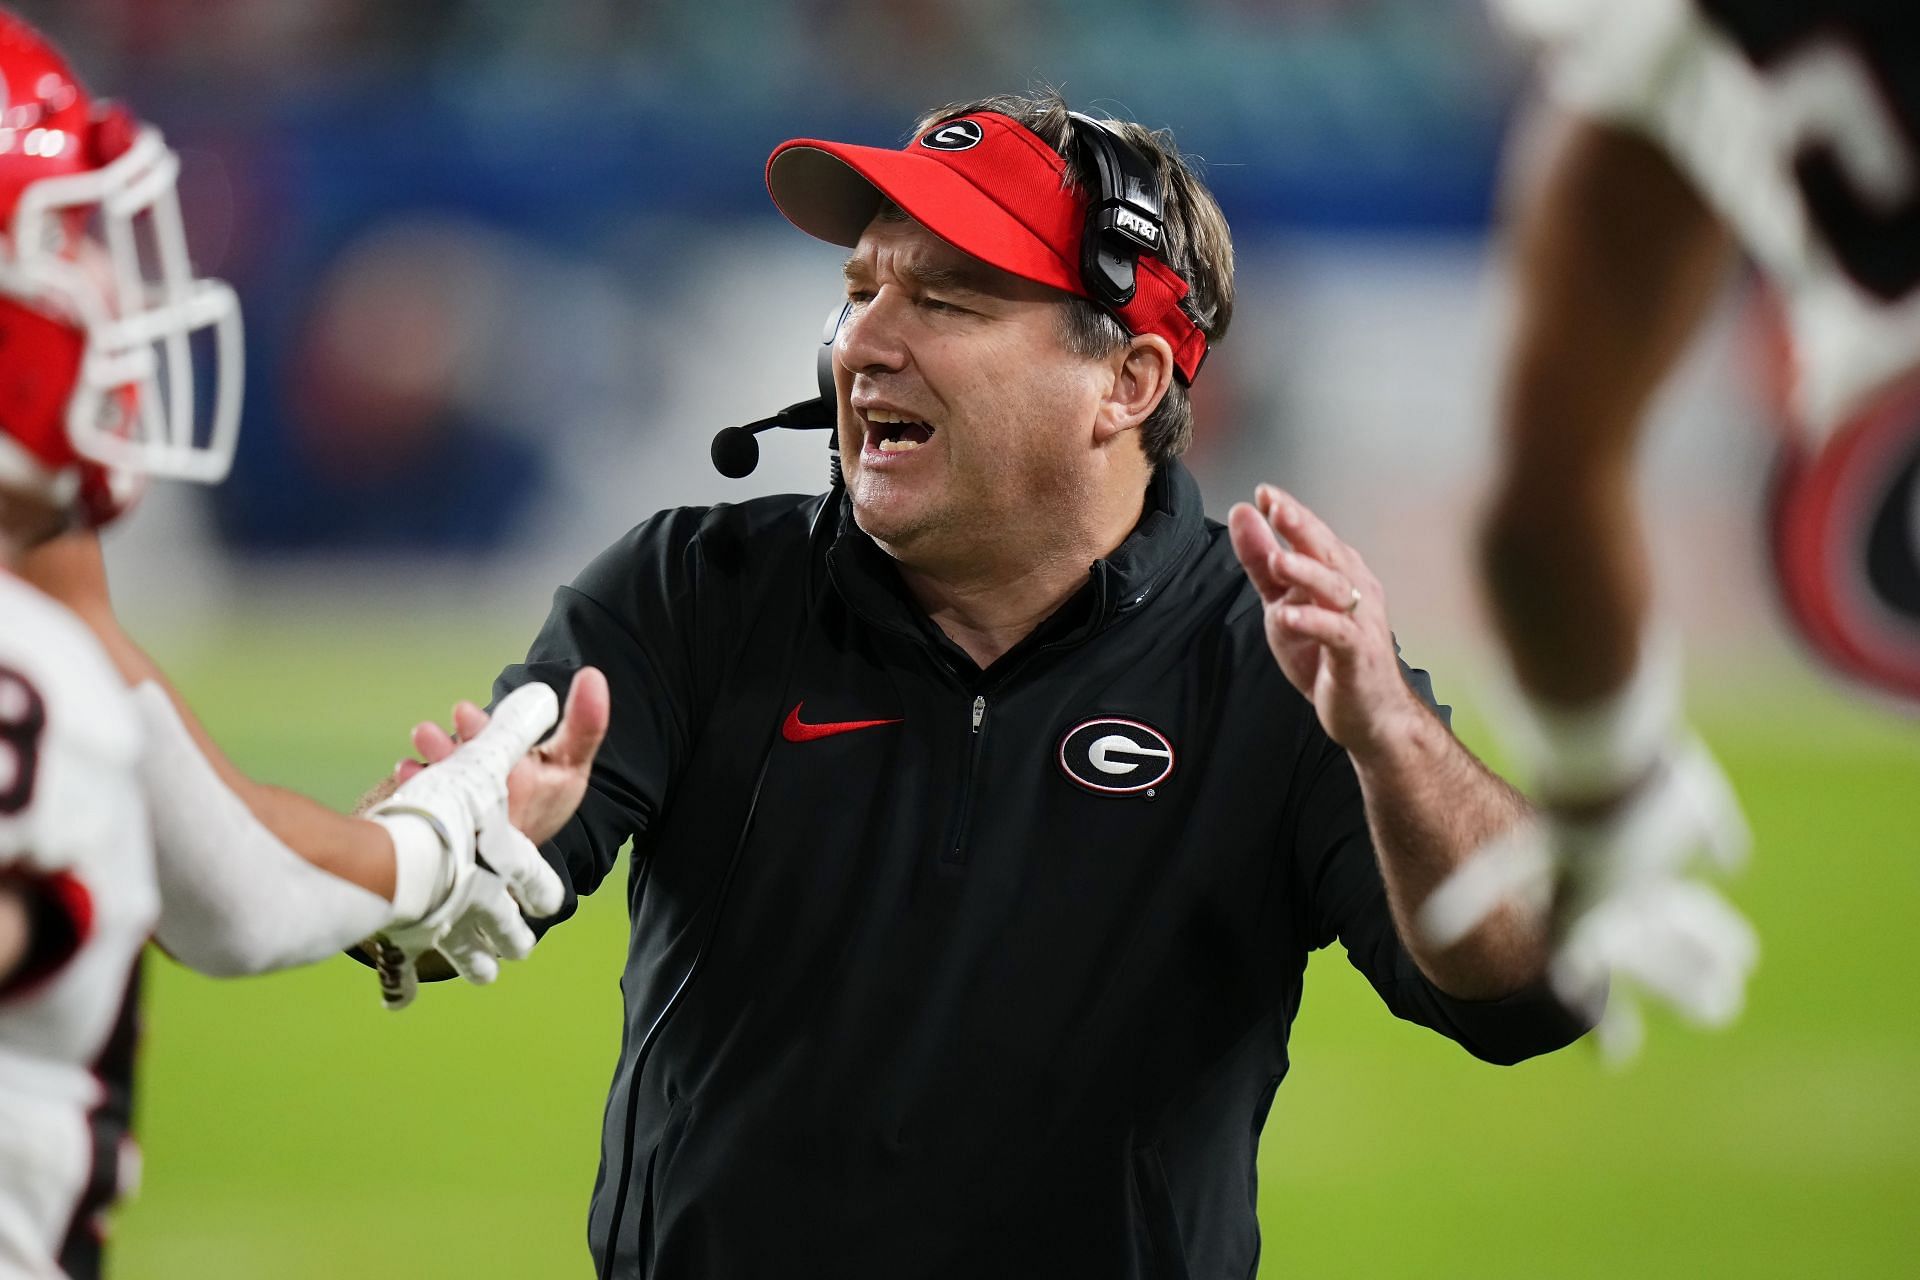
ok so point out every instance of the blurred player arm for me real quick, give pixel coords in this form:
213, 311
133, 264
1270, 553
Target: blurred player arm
70, 569
255, 877
1616, 261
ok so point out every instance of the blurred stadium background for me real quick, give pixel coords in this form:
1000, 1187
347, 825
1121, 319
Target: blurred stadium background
507, 266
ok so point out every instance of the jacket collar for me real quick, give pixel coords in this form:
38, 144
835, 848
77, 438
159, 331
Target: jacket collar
1172, 520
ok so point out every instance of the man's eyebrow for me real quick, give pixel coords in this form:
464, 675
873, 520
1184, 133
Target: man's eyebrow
943, 278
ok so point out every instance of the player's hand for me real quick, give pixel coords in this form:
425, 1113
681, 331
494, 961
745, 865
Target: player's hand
1326, 619
1621, 881
490, 871
546, 787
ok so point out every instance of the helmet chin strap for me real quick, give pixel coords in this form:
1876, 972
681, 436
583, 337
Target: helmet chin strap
26, 521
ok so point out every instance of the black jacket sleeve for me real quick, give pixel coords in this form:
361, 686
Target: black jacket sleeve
1342, 894
632, 613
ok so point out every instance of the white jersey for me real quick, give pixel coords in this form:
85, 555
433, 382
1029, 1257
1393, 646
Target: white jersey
1799, 122
73, 818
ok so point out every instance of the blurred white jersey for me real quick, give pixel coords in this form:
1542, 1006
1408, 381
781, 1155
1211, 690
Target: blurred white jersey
74, 824
1799, 122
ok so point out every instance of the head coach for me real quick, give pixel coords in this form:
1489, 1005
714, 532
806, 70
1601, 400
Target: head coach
985, 810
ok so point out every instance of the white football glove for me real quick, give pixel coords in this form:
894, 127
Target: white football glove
446, 899
1630, 914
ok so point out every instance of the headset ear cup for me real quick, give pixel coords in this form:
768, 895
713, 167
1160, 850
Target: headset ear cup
829, 392
823, 361
1124, 212
1845, 545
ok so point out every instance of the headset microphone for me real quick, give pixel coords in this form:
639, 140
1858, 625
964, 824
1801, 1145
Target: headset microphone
736, 453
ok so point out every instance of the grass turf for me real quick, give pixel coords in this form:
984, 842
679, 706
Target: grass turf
293, 1129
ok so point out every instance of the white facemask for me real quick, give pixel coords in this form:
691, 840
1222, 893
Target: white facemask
139, 304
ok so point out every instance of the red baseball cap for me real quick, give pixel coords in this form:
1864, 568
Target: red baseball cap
991, 188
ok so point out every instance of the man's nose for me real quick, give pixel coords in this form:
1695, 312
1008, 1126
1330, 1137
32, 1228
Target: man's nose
871, 339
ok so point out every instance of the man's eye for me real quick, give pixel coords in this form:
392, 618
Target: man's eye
859, 295
939, 304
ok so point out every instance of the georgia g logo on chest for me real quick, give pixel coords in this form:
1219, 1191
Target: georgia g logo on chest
1114, 756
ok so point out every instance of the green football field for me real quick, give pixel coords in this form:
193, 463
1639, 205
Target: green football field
293, 1129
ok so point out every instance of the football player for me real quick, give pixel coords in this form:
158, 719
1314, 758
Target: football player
1687, 129
118, 818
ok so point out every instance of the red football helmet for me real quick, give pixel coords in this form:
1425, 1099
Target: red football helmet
98, 300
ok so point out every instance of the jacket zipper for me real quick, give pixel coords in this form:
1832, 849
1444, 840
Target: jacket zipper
956, 851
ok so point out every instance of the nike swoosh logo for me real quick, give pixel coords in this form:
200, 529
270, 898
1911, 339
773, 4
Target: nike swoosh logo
797, 730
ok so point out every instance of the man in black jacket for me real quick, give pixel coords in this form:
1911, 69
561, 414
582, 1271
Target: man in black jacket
984, 811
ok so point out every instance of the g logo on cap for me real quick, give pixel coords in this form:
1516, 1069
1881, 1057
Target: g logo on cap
954, 135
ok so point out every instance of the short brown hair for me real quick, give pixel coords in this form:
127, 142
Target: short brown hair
1198, 246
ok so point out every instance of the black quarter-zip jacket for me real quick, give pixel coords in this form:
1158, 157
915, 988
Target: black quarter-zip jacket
947, 989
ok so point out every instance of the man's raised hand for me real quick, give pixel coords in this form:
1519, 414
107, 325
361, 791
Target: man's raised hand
1326, 618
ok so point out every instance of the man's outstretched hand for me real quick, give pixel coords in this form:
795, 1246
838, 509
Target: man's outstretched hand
443, 821
540, 791
545, 788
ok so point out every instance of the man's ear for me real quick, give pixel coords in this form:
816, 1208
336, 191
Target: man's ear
1142, 374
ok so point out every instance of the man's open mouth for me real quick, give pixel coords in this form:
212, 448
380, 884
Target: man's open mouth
894, 433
